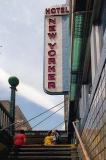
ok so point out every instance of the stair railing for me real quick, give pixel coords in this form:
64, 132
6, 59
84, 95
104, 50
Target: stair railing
5, 118
80, 141
7, 127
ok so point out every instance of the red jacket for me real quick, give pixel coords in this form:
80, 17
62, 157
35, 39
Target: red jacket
19, 139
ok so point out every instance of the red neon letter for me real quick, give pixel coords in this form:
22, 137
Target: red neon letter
52, 46
52, 35
52, 53
53, 10
52, 21
62, 9
67, 11
51, 77
47, 11
52, 28
58, 10
51, 69
51, 61
51, 85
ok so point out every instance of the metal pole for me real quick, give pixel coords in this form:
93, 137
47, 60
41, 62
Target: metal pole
12, 108
13, 81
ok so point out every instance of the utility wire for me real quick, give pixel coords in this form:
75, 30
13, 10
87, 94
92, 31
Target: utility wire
47, 117
32, 118
39, 115
58, 125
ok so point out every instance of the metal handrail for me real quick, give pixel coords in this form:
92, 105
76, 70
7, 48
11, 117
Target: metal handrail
5, 117
81, 143
5, 111
7, 127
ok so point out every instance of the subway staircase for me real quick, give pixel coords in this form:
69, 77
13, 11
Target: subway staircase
40, 152
35, 150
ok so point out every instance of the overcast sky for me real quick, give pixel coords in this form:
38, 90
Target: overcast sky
21, 55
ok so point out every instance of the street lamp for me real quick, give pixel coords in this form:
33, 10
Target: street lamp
13, 81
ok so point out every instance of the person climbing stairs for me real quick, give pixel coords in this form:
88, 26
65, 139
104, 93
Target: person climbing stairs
35, 149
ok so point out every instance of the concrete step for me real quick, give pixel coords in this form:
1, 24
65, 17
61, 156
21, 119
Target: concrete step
46, 153
38, 137
45, 149
50, 146
33, 140
46, 158
41, 152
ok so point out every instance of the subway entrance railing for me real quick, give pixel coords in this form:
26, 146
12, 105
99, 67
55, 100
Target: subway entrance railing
5, 134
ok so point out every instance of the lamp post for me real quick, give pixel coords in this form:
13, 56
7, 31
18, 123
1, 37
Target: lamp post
13, 81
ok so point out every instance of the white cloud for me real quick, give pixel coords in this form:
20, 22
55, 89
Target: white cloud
4, 78
37, 97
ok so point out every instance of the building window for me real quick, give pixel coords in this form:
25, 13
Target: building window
96, 45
